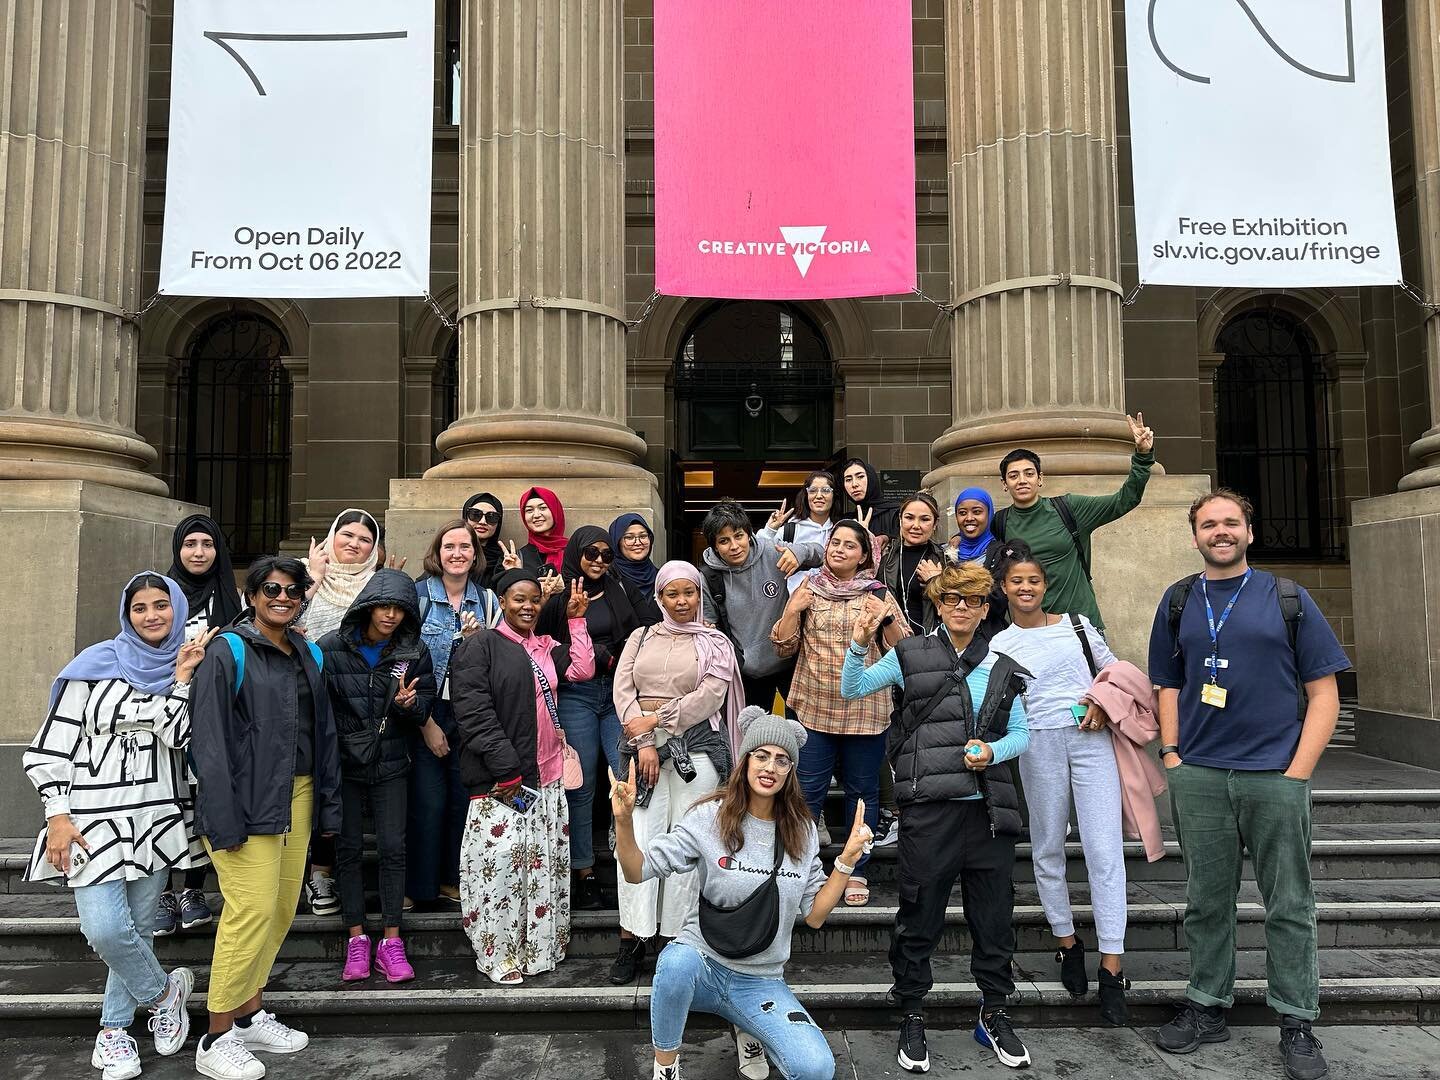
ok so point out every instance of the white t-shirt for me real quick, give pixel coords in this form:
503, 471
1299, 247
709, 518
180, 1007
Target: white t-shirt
1052, 654
806, 532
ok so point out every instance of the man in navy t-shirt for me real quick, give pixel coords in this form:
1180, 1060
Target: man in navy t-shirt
1239, 750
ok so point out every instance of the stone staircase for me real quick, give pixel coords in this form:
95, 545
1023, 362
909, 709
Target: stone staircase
1376, 862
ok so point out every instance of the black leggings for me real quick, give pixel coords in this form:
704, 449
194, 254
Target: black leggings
194, 879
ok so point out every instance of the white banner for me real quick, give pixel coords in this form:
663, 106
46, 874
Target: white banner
1261, 145
300, 143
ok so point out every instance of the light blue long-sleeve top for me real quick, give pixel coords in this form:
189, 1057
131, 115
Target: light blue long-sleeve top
856, 680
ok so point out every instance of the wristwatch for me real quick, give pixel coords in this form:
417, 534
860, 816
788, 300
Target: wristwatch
1171, 749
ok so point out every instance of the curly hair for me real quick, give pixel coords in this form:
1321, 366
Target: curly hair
968, 579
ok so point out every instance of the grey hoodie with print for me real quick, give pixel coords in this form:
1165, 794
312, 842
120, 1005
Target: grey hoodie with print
755, 597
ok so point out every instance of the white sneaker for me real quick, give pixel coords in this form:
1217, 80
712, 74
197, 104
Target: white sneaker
889, 830
753, 1063
169, 1022
227, 1059
116, 1055
321, 894
269, 1035
666, 1072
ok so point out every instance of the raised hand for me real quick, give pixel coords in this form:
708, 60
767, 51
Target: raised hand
863, 515
396, 562
801, 598
405, 696
1144, 437
579, 601
190, 655
788, 563
622, 797
779, 517
550, 584
318, 561
927, 570
861, 837
868, 621
469, 624
509, 557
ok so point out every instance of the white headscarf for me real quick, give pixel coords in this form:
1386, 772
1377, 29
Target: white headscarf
343, 581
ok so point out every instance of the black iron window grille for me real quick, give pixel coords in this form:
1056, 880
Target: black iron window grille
231, 431
1273, 437
444, 396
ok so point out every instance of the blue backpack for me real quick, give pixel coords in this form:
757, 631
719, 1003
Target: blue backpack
237, 650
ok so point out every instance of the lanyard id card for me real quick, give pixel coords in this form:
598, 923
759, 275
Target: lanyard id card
1212, 693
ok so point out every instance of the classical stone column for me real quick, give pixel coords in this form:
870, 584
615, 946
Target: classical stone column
1394, 539
71, 153
1034, 249
542, 315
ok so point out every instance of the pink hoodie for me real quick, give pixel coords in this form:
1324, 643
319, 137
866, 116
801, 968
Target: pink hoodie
1125, 693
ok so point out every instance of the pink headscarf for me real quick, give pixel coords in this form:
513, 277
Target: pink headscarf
713, 652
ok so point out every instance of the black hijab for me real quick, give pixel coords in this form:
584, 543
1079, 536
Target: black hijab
215, 588
884, 514
552, 617
489, 548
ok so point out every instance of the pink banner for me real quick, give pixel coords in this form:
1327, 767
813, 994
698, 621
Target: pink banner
784, 148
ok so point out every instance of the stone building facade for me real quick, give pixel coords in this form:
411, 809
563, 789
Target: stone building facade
281, 413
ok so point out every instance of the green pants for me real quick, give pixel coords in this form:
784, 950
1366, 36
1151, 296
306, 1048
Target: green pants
1219, 815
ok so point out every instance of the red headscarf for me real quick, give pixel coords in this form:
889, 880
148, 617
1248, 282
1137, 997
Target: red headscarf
551, 544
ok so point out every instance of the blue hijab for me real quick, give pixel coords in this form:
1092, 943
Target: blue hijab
970, 550
639, 575
150, 668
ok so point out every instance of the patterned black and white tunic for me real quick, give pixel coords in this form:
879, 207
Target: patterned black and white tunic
112, 757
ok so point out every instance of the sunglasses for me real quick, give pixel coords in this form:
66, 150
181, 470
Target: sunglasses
488, 517
764, 757
955, 599
595, 553
273, 589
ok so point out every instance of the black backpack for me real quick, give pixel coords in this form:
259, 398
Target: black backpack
1067, 518
715, 582
1287, 595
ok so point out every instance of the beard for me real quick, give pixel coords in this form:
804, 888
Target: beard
1222, 559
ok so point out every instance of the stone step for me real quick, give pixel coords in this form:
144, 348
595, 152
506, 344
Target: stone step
1351, 914
448, 995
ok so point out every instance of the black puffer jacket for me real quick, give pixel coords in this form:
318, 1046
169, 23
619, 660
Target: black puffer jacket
243, 741
929, 755
373, 730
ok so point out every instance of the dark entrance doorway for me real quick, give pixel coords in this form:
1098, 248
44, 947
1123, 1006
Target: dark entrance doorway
755, 398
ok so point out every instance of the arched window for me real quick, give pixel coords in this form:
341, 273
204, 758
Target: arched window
232, 430
1272, 434
444, 395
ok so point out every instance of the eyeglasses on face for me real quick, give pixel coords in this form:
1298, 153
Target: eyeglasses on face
595, 553
781, 762
273, 589
487, 517
955, 599
821, 491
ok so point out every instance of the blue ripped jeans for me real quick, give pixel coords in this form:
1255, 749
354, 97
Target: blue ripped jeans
688, 981
117, 918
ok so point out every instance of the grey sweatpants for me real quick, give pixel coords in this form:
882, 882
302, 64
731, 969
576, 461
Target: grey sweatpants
1059, 762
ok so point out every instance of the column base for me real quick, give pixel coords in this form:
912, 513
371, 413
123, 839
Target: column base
1134, 559
522, 444
1395, 574
70, 545
419, 507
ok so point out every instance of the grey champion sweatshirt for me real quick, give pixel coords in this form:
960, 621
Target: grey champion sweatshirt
694, 844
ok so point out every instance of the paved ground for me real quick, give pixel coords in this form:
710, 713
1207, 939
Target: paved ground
1355, 1053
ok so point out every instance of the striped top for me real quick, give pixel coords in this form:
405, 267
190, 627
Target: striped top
111, 757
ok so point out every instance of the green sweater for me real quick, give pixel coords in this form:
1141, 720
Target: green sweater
1067, 589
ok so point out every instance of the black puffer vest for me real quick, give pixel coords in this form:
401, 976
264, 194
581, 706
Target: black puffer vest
929, 757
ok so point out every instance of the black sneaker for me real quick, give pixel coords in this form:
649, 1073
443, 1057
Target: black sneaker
586, 895
167, 915
995, 1031
1113, 1008
1301, 1050
1193, 1024
913, 1055
1072, 968
627, 961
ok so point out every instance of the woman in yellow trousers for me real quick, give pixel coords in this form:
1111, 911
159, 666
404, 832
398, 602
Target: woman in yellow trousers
268, 766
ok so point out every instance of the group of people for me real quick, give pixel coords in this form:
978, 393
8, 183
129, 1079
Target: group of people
465, 718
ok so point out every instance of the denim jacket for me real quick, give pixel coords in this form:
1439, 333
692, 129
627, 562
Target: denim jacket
440, 623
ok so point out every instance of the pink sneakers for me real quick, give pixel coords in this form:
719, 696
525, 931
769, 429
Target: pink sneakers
390, 959
357, 959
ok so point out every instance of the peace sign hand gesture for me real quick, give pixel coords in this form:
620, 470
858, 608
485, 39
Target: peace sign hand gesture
861, 837
868, 621
622, 797
579, 601
318, 561
863, 515
1144, 437
780, 517
509, 558
190, 655
405, 696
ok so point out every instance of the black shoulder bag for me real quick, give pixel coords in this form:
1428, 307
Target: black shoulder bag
751, 925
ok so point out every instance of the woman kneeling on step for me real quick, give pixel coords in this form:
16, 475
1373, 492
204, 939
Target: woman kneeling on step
753, 846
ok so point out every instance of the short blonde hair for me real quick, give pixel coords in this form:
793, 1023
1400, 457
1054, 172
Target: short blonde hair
968, 579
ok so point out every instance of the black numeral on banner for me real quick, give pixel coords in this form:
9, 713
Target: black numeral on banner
1347, 77
224, 37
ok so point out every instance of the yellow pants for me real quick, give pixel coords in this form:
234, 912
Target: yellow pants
261, 886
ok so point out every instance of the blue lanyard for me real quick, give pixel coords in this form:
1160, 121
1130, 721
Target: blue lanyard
1216, 627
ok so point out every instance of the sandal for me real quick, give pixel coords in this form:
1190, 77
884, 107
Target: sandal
506, 976
857, 895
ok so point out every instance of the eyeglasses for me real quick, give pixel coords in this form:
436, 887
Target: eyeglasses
273, 589
595, 553
821, 491
955, 599
487, 517
763, 757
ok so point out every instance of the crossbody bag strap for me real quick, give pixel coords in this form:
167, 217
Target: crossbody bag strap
1084, 644
545, 691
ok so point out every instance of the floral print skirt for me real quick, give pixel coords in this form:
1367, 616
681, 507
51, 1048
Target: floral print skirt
515, 883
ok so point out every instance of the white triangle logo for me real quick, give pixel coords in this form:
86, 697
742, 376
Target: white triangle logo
803, 234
